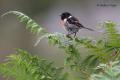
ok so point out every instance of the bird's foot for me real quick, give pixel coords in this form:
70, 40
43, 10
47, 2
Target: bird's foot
68, 36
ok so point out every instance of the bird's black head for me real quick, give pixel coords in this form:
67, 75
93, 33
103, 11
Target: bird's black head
65, 15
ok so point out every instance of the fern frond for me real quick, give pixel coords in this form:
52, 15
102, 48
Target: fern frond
112, 34
90, 60
110, 71
30, 23
52, 38
24, 66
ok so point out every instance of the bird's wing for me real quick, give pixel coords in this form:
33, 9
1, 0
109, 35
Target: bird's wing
75, 21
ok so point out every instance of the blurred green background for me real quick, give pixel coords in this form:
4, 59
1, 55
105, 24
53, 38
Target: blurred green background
46, 13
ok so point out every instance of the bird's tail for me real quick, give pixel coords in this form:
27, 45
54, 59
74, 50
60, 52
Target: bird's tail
88, 28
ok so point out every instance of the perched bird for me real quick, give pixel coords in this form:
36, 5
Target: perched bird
71, 23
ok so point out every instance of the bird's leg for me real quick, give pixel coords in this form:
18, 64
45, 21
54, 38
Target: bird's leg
68, 35
75, 34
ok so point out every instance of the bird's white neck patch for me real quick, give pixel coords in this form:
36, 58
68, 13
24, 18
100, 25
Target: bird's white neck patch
69, 17
66, 18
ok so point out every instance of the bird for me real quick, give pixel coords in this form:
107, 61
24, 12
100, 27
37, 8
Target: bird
71, 24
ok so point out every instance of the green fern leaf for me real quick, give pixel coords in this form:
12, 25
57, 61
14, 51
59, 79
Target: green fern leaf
108, 71
24, 66
30, 23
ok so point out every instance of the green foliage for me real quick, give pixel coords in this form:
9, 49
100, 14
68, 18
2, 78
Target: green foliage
62, 42
30, 23
103, 51
68, 46
109, 71
24, 66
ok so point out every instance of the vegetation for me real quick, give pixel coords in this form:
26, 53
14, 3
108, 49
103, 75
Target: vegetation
102, 62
